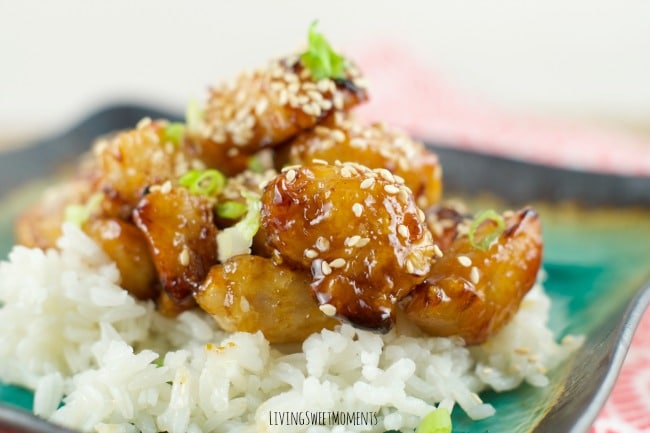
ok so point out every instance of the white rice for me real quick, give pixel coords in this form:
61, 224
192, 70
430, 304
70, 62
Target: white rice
70, 333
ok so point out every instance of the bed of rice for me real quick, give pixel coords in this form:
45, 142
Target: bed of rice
70, 333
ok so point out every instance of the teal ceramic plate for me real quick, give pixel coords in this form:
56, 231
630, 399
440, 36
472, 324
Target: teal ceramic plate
597, 256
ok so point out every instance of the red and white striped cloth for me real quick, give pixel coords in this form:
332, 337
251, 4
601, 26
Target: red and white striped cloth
406, 93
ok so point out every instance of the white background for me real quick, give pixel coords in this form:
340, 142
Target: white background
584, 59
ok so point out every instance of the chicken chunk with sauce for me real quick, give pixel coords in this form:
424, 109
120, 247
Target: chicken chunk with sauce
250, 293
357, 230
472, 293
179, 229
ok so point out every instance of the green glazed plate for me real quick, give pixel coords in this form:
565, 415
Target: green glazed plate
597, 256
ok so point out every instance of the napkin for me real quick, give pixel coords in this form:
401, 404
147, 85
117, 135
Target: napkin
408, 94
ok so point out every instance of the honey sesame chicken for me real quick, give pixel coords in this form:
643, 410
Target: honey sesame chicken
358, 232
352, 228
473, 293
250, 293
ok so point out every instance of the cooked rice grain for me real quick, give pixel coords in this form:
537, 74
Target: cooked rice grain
69, 329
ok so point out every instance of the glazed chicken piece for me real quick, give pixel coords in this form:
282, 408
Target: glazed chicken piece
375, 146
128, 248
131, 161
268, 106
181, 235
473, 293
40, 225
250, 293
357, 230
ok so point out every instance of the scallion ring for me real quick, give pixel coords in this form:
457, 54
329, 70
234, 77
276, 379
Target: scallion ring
203, 182
490, 237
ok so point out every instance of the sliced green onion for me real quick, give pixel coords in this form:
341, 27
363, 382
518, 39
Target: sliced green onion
238, 239
173, 133
489, 237
193, 116
231, 209
437, 421
320, 58
203, 182
78, 214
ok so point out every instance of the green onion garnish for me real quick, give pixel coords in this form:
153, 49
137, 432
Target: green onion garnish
173, 133
193, 116
238, 239
78, 214
437, 421
320, 58
231, 209
203, 182
491, 236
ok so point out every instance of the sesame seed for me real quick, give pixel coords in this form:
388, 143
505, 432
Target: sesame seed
352, 241
403, 231
289, 167
399, 179
346, 172
359, 143
283, 98
391, 189
244, 305
362, 242
325, 105
410, 268
322, 244
338, 135
315, 96
421, 216
522, 350
533, 358
464, 261
308, 109
437, 251
357, 208
403, 195
311, 254
387, 175
540, 368
232, 152
328, 309
319, 161
476, 398
325, 268
487, 370
184, 257
367, 183
166, 187
338, 101
474, 275
337, 263
323, 85
291, 176
261, 106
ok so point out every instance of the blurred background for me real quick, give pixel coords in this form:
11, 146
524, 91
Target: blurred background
582, 61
